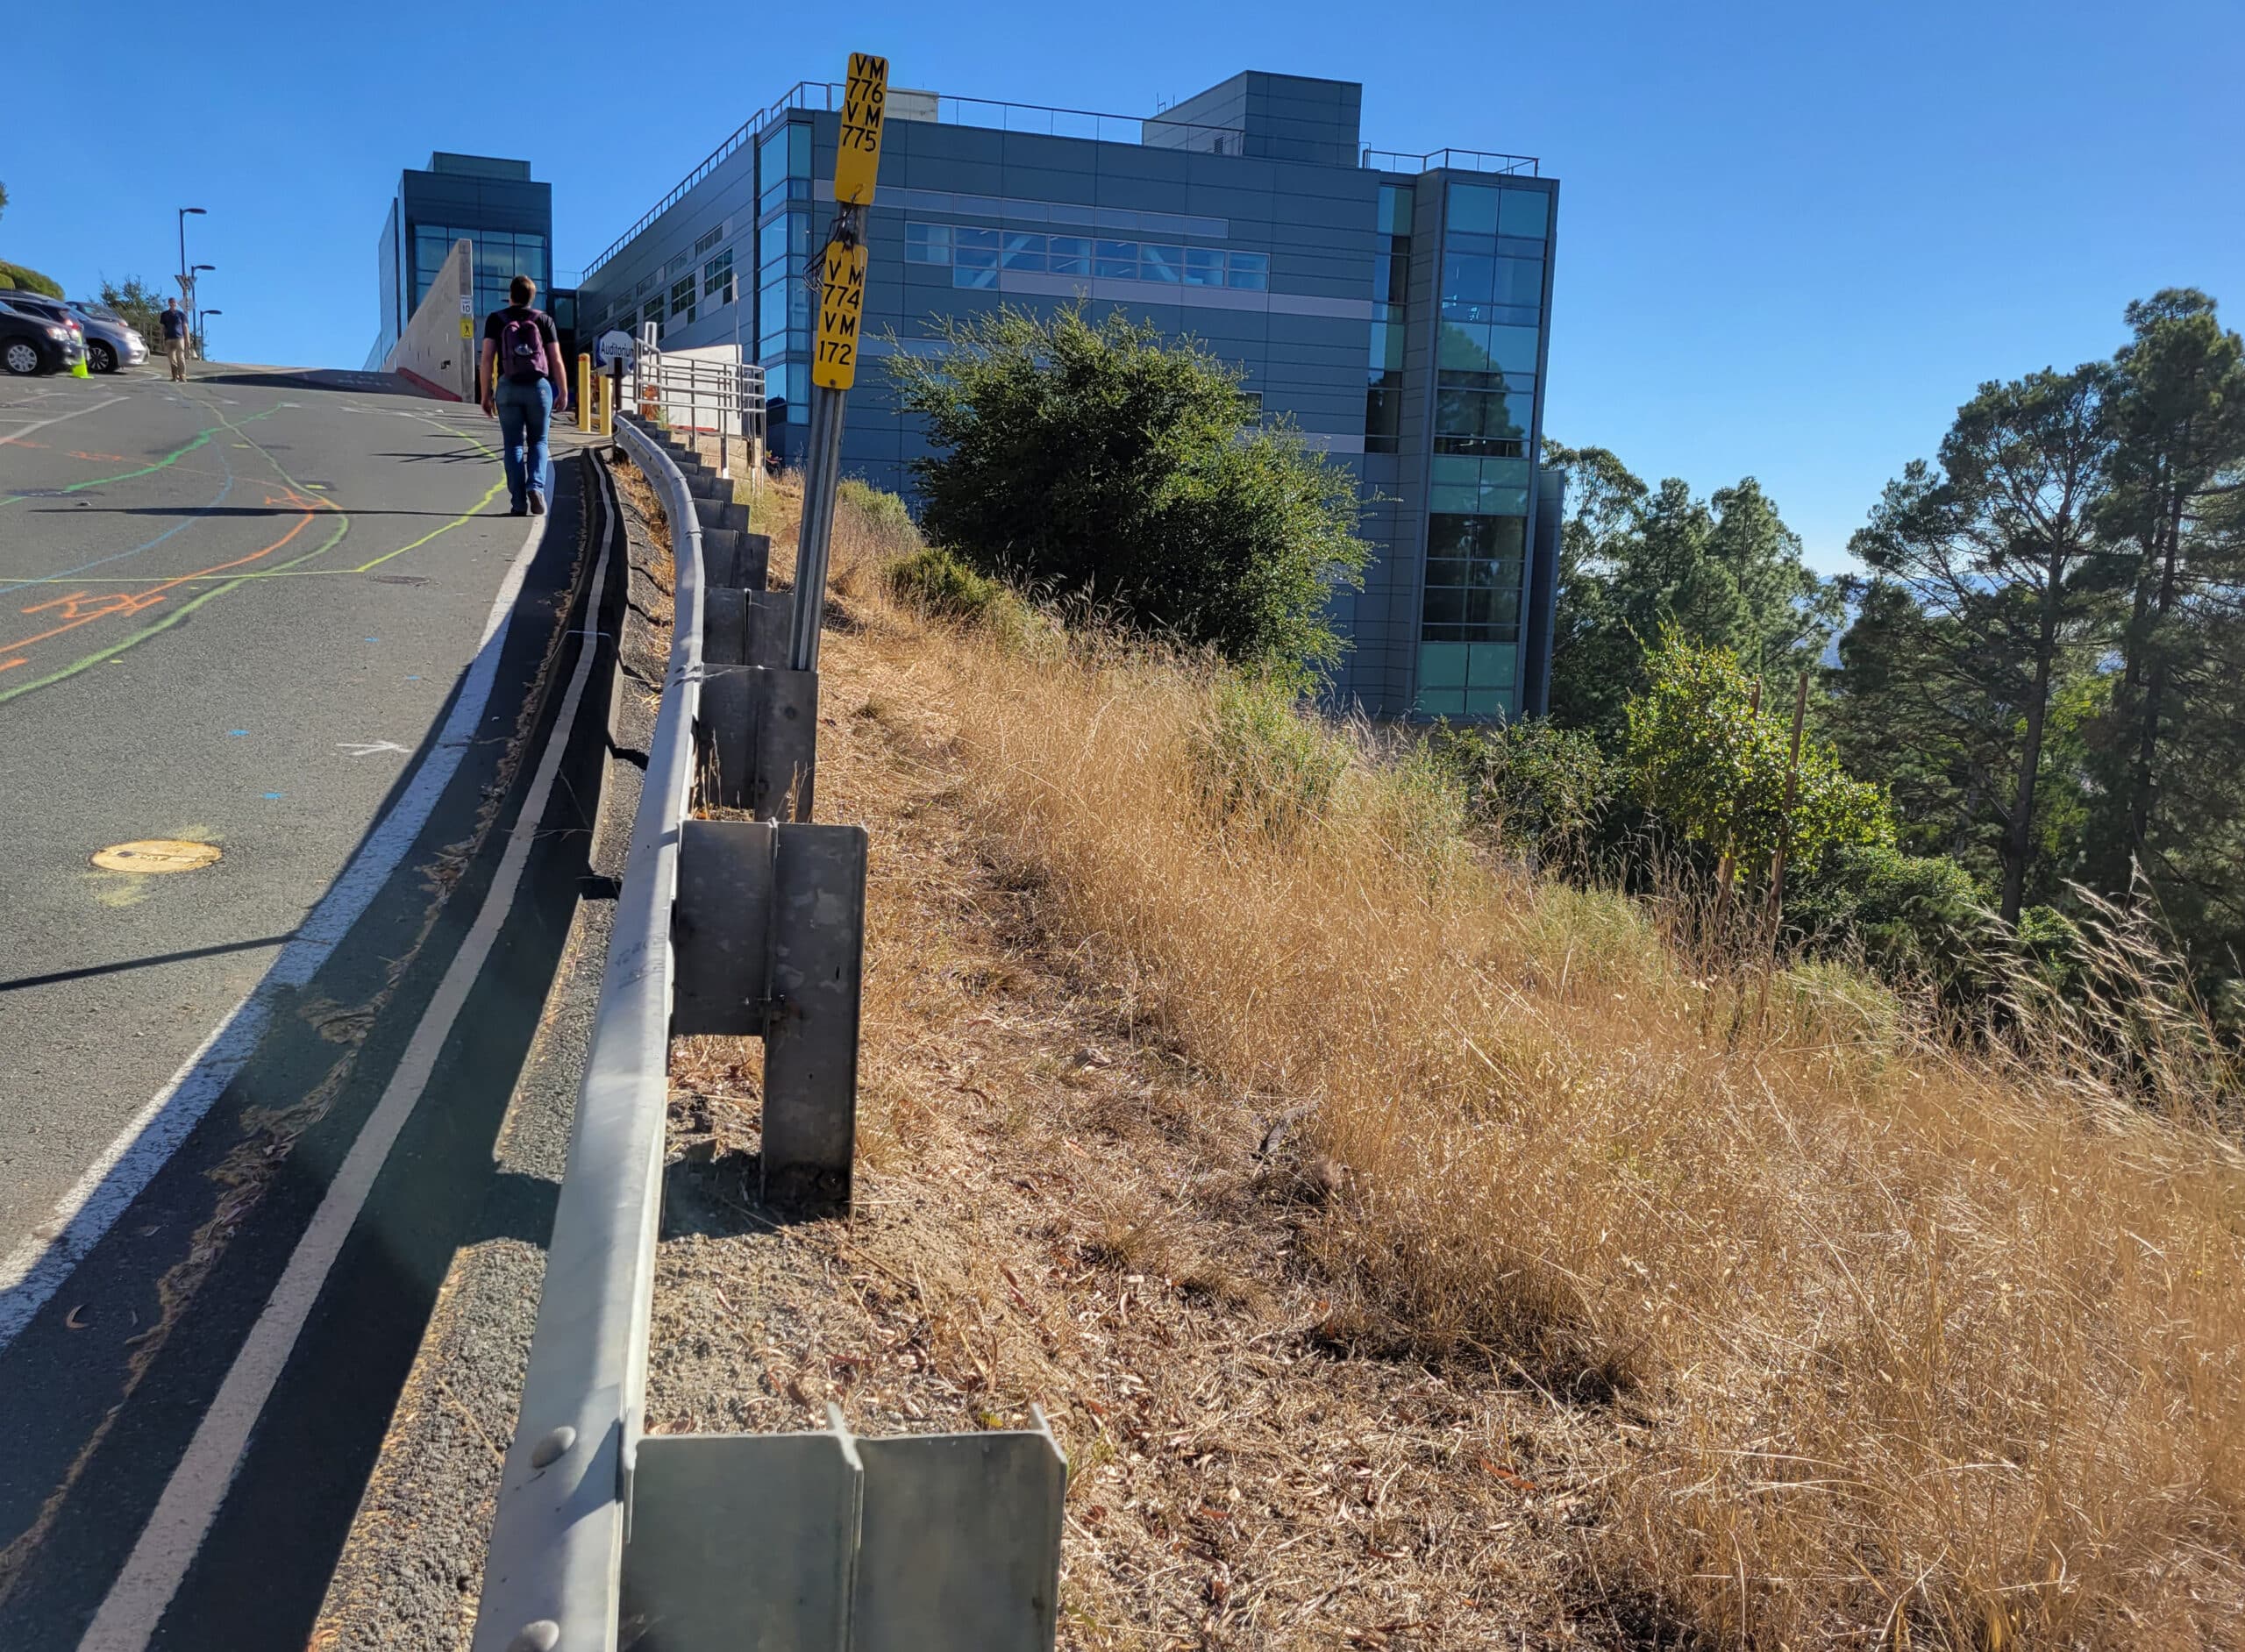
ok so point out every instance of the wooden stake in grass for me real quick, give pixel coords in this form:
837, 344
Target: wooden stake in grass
1726, 868
1775, 905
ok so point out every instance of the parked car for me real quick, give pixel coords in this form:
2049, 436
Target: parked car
112, 341
53, 310
32, 341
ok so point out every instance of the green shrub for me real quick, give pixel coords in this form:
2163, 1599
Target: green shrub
2052, 946
29, 279
1109, 464
1719, 772
1540, 787
936, 580
878, 509
1260, 761
1907, 917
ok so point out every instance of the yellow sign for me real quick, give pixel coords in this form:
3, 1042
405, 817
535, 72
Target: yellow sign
466, 328
863, 104
841, 310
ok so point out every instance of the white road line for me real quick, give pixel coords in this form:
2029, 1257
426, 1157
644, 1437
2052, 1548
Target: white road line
96, 407
136, 1601
35, 1269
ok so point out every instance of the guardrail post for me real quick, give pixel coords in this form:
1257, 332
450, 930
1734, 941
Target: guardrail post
810, 1044
768, 935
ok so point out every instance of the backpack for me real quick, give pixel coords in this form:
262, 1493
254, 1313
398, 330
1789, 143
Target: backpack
522, 347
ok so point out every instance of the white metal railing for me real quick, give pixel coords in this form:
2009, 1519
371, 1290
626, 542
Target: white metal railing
698, 396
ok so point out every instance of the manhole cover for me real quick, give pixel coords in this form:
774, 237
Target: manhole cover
157, 854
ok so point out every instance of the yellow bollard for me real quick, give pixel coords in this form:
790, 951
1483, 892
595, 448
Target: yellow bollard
584, 392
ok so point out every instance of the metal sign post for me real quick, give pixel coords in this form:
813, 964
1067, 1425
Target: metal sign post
834, 370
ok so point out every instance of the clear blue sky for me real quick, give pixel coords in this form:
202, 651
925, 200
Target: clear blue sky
1793, 238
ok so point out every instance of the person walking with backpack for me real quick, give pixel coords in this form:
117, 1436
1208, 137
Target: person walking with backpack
523, 383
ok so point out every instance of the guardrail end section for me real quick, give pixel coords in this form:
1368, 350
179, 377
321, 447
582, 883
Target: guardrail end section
741, 1541
959, 1545
947, 1542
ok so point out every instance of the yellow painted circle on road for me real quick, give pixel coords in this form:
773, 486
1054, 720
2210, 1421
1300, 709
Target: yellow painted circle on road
157, 854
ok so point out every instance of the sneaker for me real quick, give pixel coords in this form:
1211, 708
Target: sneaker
519, 510
538, 504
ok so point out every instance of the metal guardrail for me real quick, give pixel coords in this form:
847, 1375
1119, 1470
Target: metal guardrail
748, 922
552, 1580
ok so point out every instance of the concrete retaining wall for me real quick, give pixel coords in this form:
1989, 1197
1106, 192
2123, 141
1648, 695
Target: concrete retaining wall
432, 352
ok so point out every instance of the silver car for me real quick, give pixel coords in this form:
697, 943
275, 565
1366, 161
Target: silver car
112, 341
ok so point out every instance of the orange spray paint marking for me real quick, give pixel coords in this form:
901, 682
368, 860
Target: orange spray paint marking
81, 608
107, 458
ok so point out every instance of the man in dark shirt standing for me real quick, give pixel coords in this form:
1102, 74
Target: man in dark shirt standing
523, 383
174, 325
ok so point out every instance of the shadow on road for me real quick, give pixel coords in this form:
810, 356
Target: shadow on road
53, 976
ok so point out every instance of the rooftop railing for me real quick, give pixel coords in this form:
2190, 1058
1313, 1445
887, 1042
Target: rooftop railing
1452, 160
1153, 131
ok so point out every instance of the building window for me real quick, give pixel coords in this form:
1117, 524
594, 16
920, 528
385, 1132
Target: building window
709, 240
783, 165
1482, 414
497, 257
681, 300
926, 243
1390, 280
783, 300
1467, 680
717, 279
653, 317
976, 256
1488, 336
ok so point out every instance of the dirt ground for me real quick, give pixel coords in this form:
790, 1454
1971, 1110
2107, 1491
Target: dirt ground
1053, 1210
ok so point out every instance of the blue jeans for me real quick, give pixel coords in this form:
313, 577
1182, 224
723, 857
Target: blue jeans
525, 411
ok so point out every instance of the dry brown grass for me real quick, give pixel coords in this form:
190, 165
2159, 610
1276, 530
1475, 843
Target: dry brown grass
1825, 1334
1914, 1350
1052, 1209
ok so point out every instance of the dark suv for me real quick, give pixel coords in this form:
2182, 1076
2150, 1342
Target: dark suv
33, 341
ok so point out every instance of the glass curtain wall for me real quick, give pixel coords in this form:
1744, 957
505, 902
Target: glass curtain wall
500, 256
783, 307
1486, 349
1390, 280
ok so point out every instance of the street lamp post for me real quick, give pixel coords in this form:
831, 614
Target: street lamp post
195, 284
203, 329
186, 280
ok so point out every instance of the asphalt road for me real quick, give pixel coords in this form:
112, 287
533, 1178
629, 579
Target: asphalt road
229, 613
259, 612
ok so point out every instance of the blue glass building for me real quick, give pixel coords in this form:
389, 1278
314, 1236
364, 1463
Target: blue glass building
494, 203
1396, 308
